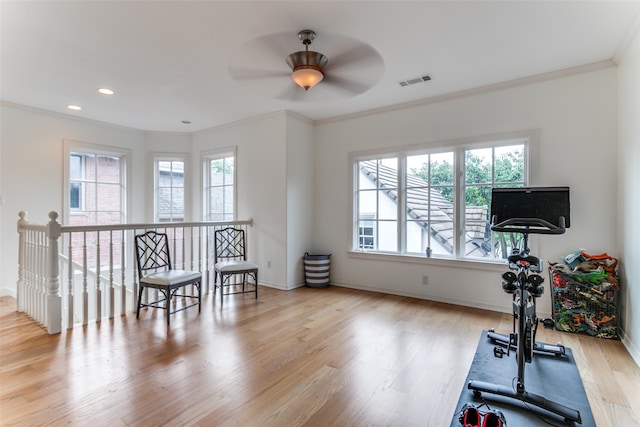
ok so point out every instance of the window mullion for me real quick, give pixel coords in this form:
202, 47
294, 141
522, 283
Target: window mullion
459, 202
95, 187
427, 244
402, 205
376, 246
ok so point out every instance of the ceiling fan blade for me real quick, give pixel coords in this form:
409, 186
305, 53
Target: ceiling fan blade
277, 45
358, 55
239, 73
346, 85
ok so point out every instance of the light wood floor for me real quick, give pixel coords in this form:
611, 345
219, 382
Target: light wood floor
315, 357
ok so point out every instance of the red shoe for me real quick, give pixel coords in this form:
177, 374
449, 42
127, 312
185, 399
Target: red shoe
470, 417
494, 419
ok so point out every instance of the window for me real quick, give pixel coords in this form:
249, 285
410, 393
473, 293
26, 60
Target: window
219, 187
366, 238
485, 168
438, 198
76, 174
95, 194
169, 192
95, 188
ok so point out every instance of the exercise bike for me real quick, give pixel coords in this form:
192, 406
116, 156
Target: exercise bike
525, 285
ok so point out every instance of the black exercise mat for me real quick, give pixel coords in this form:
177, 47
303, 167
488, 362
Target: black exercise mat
555, 378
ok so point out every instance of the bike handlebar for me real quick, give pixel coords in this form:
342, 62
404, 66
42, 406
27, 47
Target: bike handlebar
528, 226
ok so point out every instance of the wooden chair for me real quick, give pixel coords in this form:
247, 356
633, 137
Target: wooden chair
230, 262
156, 272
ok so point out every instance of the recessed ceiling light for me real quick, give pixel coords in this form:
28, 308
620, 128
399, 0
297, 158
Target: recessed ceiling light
105, 91
74, 107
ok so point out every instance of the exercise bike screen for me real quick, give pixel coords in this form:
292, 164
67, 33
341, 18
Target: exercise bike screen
547, 203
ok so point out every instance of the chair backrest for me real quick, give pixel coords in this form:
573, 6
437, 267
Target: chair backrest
152, 251
230, 244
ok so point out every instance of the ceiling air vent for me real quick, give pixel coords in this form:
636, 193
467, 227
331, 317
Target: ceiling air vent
415, 80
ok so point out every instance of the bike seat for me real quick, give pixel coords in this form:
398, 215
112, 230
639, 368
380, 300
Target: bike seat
532, 262
529, 259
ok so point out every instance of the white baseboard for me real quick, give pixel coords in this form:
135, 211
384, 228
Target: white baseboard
7, 292
631, 348
281, 286
454, 301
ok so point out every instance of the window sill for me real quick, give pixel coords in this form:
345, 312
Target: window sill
435, 261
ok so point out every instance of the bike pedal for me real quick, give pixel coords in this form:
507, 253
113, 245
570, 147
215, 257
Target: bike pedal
498, 352
548, 323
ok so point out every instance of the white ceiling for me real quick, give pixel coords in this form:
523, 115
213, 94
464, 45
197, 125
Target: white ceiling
215, 62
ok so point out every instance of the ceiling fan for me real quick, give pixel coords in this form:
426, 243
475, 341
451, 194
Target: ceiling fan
306, 65
351, 68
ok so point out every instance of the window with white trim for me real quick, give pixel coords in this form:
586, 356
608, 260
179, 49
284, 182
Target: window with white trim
169, 189
436, 198
219, 186
95, 187
76, 175
95, 183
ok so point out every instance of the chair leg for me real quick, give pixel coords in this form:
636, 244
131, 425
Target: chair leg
221, 288
256, 278
169, 297
199, 286
139, 302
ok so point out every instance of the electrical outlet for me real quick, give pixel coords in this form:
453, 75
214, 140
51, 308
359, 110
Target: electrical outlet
425, 279
268, 264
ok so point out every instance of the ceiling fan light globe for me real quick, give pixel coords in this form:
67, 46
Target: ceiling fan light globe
307, 76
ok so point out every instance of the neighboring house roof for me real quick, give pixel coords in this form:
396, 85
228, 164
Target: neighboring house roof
171, 208
431, 210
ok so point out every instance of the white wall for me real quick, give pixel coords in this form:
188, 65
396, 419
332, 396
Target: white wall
274, 168
262, 186
576, 119
32, 175
299, 197
629, 192
2, 228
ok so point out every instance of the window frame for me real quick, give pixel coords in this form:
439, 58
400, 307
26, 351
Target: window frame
528, 138
206, 158
79, 185
156, 158
84, 148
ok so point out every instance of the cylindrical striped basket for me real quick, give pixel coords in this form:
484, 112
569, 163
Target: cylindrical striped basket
316, 270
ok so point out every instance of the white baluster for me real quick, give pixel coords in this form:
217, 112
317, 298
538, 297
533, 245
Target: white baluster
21, 253
98, 280
85, 294
41, 265
111, 290
54, 301
28, 264
123, 280
70, 296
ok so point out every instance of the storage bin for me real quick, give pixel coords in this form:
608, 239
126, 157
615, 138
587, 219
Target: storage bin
585, 303
316, 270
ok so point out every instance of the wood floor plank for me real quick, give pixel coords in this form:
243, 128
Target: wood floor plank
306, 357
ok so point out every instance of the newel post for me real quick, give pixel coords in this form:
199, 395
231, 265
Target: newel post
54, 300
22, 222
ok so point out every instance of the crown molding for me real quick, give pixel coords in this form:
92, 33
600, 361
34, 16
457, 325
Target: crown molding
478, 90
37, 110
